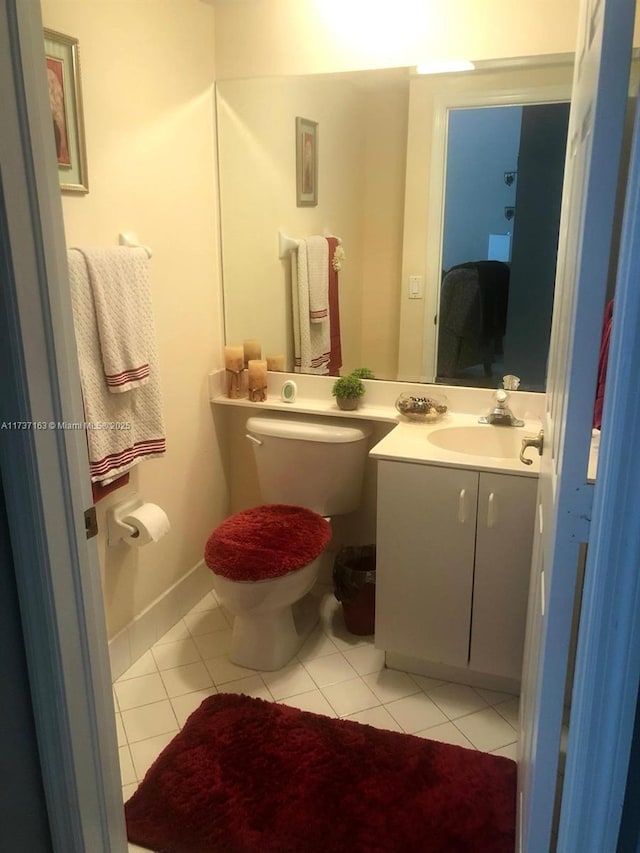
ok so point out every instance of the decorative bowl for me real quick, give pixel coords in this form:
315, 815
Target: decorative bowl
428, 408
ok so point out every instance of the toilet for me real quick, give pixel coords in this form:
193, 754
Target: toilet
265, 560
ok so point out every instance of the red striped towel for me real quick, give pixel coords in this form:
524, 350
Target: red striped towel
121, 429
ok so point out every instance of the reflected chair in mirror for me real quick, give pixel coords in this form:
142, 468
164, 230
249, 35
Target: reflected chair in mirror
472, 323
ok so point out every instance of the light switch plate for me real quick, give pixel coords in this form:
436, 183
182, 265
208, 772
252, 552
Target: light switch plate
416, 283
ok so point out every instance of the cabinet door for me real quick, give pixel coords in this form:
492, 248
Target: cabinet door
425, 549
504, 538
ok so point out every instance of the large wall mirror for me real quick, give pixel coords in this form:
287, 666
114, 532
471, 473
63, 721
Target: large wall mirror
415, 175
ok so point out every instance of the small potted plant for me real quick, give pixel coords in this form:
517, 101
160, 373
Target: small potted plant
347, 390
363, 373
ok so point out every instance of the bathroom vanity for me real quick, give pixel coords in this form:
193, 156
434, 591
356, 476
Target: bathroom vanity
454, 541
454, 523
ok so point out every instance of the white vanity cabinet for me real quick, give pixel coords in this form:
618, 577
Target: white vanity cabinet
504, 541
453, 562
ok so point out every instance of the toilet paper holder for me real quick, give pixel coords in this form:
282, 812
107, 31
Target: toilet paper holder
117, 530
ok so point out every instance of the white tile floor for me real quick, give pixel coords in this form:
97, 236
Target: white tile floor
335, 673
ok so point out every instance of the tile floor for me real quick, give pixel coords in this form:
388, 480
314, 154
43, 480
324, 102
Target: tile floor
335, 673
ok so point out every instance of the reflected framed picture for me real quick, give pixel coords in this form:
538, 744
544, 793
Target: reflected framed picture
306, 162
65, 99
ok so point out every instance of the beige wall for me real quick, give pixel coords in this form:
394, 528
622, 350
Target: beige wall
147, 79
385, 154
266, 37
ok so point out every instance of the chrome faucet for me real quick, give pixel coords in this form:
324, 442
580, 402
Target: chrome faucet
501, 414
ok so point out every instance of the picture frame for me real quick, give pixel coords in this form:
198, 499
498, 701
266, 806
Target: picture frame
65, 98
306, 162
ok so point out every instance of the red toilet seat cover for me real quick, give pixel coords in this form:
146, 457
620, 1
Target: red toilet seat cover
266, 542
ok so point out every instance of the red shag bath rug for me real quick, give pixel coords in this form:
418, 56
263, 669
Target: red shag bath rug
249, 776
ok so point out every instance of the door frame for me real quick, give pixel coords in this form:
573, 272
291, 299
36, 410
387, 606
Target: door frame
45, 471
514, 97
607, 669
599, 100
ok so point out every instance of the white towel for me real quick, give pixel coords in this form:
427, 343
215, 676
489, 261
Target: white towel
311, 340
318, 272
119, 278
123, 429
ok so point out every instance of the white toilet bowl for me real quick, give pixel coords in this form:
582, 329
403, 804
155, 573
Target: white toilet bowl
265, 560
272, 618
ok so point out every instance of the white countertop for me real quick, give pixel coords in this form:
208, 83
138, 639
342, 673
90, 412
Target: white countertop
409, 442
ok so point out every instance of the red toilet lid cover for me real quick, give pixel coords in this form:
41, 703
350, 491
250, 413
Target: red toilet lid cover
266, 542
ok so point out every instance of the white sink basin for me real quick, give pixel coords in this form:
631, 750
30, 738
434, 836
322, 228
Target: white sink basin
499, 442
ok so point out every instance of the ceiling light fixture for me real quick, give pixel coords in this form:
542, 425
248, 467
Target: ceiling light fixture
444, 66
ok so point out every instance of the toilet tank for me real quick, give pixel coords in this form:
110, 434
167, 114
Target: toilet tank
310, 463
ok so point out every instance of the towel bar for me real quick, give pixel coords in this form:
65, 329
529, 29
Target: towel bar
129, 239
286, 244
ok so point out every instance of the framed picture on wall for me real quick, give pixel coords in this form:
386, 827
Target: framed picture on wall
65, 98
306, 162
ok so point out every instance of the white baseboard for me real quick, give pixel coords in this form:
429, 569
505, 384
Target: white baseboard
139, 635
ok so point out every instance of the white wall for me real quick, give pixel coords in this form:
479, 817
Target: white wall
147, 80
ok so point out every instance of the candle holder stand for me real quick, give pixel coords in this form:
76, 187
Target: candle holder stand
258, 395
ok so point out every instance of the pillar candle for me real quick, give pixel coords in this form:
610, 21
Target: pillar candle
252, 350
234, 358
275, 362
234, 365
257, 380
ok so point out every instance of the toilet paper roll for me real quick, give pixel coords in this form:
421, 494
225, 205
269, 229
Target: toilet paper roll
150, 523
